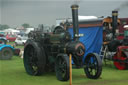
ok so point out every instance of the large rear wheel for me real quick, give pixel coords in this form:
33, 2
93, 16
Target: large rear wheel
34, 59
93, 66
62, 67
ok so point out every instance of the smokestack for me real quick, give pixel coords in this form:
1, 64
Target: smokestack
114, 22
75, 22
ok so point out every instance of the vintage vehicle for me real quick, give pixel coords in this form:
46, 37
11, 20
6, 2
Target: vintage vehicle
21, 40
11, 38
115, 47
6, 52
45, 52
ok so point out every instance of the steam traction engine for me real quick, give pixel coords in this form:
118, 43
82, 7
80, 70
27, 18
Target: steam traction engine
118, 48
49, 52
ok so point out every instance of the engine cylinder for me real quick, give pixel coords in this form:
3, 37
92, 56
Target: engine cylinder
76, 48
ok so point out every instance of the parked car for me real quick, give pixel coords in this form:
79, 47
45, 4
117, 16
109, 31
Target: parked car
11, 38
21, 40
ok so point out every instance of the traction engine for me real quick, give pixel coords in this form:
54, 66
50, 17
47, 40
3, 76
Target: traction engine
45, 52
118, 48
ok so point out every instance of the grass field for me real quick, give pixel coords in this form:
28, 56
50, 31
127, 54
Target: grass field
12, 72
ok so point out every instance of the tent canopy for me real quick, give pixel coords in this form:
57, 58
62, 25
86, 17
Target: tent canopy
92, 38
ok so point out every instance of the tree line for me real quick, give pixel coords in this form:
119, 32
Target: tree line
3, 27
25, 25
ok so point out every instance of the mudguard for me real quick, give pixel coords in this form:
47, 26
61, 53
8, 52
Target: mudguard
3, 46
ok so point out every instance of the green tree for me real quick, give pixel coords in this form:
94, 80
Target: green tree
2, 27
26, 25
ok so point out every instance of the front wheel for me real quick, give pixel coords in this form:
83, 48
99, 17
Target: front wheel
93, 66
62, 67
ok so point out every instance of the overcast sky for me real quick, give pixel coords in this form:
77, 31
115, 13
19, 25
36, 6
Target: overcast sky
0, 11
16, 12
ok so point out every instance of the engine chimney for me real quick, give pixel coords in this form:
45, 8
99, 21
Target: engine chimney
75, 22
114, 22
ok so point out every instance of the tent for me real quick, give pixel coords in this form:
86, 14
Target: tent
11, 31
92, 39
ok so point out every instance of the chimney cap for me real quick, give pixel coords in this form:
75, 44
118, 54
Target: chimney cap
114, 11
74, 6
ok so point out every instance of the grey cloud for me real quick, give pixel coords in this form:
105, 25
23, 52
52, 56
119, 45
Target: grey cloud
34, 12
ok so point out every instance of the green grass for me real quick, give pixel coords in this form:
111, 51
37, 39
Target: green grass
12, 72
12, 43
20, 46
